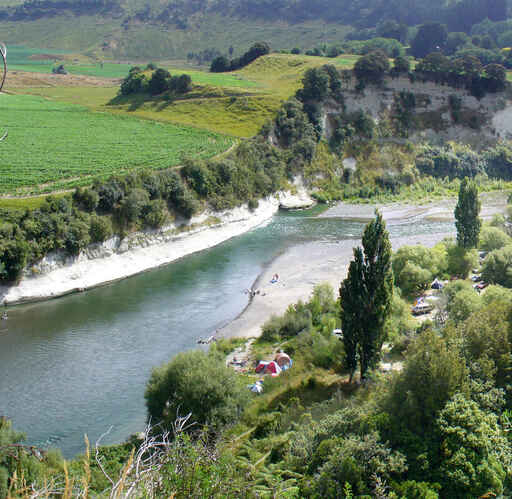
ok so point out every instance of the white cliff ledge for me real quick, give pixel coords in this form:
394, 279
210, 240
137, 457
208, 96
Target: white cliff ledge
58, 274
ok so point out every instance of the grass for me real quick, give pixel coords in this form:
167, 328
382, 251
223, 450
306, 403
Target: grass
146, 42
30, 203
236, 103
281, 74
55, 146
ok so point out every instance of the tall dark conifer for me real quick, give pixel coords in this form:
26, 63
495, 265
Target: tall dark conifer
366, 296
466, 215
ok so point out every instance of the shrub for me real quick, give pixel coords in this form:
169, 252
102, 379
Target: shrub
497, 267
154, 213
100, 229
76, 236
296, 319
372, 67
13, 258
159, 81
131, 206
86, 199
463, 304
460, 260
492, 238
197, 383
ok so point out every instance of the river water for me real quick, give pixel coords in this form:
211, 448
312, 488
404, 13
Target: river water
79, 364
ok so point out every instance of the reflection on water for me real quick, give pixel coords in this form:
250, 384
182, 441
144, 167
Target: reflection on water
79, 364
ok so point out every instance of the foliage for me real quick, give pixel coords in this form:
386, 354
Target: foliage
371, 68
466, 215
433, 372
429, 38
451, 160
222, 64
366, 298
198, 383
462, 304
460, 260
492, 238
476, 455
414, 267
497, 267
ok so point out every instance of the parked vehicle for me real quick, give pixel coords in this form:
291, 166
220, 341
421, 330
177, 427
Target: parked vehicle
422, 308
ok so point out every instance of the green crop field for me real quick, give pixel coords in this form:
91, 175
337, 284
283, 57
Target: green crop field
53, 145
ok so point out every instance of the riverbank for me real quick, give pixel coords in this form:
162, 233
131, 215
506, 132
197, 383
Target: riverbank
303, 267
101, 264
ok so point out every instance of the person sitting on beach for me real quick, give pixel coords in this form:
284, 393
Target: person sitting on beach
275, 278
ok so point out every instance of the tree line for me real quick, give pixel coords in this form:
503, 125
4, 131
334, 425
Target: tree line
221, 64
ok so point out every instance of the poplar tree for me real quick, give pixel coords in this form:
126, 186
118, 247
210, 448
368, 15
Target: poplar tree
466, 215
366, 296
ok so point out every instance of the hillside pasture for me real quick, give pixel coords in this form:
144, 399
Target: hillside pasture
236, 103
54, 145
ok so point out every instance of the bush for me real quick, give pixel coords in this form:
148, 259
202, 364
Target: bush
159, 81
13, 258
131, 206
198, 383
463, 304
76, 236
497, 267
460, 260
492, 238
372, 67
100, 229
414, 267
154, 214
296, 319
86, 199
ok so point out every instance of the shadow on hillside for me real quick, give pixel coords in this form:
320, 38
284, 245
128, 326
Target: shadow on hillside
133, 101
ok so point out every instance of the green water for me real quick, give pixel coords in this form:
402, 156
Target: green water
79, 364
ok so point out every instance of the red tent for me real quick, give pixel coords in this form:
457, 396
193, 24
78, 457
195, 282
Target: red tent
272, 368
260, 368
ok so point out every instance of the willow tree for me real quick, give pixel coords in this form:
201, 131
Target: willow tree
466, 215
366, 296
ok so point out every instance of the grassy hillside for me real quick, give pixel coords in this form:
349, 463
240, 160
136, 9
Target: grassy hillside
54, 145
107, 38
236, 103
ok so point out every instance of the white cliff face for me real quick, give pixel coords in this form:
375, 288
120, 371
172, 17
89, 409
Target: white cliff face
493, 112
58, 274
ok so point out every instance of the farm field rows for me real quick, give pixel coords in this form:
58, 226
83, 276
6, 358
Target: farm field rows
53, 145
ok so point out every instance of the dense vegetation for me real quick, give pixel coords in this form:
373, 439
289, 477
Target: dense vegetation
435, 427
221, 64
155, 81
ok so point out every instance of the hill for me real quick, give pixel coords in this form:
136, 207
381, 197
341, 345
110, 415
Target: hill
159, 30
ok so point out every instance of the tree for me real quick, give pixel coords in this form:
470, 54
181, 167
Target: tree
429, 38
366, 296
466, 215
476, 456
220, 64
199, 383
401, 65
497, 267
372, 67
159, 81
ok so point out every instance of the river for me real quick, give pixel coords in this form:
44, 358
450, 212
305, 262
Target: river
79, 364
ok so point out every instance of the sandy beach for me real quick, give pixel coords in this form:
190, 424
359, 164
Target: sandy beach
302, 267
